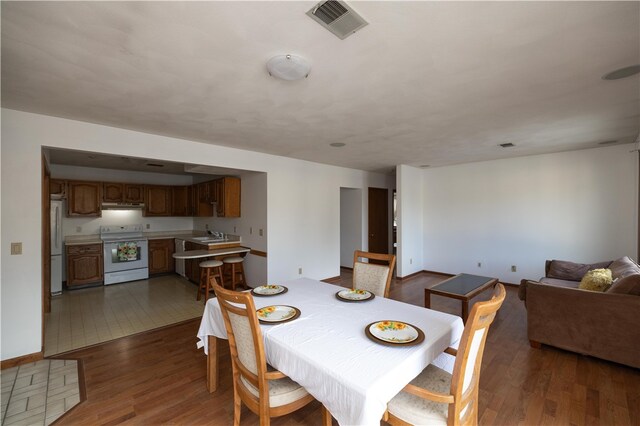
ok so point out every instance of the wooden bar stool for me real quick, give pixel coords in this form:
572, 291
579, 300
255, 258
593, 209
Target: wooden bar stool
210, 270
234, 264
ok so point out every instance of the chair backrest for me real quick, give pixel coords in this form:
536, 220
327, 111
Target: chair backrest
248, 360
466, 370
373, 277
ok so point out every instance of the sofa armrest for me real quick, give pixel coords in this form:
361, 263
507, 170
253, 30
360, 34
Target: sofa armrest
604, 325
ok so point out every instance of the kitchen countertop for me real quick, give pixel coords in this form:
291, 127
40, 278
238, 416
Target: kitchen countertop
159, 235
197, 254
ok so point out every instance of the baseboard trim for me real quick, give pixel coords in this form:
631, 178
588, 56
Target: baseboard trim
258, 253
347, 268
444, 274
24, 359
408, 277
332, 280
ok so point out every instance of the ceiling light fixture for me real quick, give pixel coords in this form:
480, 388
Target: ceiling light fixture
337, 144
622, 73
288, 67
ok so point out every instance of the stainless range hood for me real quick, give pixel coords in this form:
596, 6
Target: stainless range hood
122, 206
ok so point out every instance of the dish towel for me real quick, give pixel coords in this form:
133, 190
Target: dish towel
127, 251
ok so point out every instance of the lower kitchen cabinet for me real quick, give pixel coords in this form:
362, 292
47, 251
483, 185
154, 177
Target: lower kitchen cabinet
161, 256
191, 266
84, 265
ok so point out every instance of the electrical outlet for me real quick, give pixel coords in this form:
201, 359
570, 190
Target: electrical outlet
410, 261
148, 226
16, 248
78, 229
299, 271
513, 268
260, 232
479, 264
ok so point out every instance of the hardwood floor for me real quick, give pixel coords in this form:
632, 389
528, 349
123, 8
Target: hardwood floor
159, 377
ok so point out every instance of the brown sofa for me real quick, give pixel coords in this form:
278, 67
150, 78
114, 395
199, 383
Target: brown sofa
601, 324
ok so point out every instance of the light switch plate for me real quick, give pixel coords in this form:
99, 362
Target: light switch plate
16, 248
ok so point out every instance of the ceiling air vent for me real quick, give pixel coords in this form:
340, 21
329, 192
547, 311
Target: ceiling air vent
337, 17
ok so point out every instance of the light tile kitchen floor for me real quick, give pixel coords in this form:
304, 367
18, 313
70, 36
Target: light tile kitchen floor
88, 316
39, 393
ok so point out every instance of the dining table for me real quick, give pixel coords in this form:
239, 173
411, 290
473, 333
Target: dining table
327, 350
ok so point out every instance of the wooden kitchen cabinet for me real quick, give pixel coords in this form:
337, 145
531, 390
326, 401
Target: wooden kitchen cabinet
112, 192
133, 193
84, 198
157, 200
204, 199
228, 197
191, 266
180, 201
84, 265
161, 256
58, 188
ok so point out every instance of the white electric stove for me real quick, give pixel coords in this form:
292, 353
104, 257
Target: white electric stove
125, 253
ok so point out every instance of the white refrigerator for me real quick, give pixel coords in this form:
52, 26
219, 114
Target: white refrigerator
56, 247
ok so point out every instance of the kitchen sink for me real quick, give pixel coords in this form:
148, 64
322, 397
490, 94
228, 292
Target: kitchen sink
209, 239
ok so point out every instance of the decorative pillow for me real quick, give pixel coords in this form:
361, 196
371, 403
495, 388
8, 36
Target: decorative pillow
596, 280
623, 267
627, 285
565, 270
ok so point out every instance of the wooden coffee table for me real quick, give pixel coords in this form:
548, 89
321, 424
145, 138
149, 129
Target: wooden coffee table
463, 287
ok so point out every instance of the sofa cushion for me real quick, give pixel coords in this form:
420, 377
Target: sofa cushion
627, 285
623, 267
596, 280
560, 283
564, 270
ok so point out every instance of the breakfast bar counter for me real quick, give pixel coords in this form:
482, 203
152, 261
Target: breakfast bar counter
198, 254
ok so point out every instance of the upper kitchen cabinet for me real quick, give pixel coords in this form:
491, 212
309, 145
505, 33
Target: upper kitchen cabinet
204, 199
112, 192
133, 193
157, 200
180, 201
227, 191
84, 198
122, 192
58, 188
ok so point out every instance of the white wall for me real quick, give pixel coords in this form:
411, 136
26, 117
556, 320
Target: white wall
350, 224
579, 206
409, 207
253, 218
303, 198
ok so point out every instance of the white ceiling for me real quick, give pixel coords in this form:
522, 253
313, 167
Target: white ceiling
433, 83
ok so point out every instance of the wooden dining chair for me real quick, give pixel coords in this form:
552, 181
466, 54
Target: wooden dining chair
265, 391
436, 397
374, 277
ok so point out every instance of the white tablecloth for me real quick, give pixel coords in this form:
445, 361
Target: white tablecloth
326, 349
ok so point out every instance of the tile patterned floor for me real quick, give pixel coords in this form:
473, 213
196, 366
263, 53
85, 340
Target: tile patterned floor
39, 393
88, 316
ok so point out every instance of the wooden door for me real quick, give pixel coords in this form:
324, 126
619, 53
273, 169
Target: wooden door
378, 220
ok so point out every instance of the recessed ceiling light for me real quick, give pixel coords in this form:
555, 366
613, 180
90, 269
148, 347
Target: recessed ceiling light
155, 165
337, 144
622, 73
507, 145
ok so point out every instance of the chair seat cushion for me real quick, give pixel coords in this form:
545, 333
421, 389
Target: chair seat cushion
419, 411
210, 264
234, 259
281, 391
